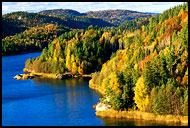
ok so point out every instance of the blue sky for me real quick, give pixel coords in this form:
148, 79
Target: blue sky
154, 7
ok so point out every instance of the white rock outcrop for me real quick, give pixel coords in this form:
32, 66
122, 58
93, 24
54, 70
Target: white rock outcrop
102, 107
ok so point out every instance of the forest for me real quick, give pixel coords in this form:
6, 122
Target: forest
79, 50
151, 73
145, 69
25, 20
140, 65
118, 16
31, 40
17, 24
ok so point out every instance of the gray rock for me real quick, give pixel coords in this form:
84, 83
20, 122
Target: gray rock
60, 76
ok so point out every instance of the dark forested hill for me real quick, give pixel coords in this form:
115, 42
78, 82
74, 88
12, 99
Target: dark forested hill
31, 40
134, 24
118, 16
62, 12
16, 22
113, 16
11, 27
27, 20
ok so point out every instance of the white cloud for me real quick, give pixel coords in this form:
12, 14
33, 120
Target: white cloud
156, 7
52, 8
46, 3
5, 8
23, 9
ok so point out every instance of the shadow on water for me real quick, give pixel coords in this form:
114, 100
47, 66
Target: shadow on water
73, 87
72, 82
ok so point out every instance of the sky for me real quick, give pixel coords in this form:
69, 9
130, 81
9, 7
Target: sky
154, 7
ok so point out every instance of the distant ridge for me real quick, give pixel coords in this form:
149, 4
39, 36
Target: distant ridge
62, 12
118, 16
115, 17
16, 22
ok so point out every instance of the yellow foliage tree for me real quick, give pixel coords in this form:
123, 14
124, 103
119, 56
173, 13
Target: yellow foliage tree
136, 66
141, 96
68, 61
143, 28
55, 55
80, 70
113, 83
104, 84
74, 67
72, 58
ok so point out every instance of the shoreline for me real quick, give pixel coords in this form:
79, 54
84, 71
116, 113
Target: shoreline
143, 116
94, 86
134, 114
21, 53
107, 112
31, 74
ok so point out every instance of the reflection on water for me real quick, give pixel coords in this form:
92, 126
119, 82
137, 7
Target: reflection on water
72, 82
134, 122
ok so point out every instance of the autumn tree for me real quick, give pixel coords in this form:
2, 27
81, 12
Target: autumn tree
141, 94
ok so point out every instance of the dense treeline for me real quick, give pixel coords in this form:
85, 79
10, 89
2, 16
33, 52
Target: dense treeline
134, 24
33, 39
77, 51
151, 73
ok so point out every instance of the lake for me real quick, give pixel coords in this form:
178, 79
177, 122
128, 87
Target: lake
48, 102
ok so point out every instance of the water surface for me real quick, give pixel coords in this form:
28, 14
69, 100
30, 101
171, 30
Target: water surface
49, 102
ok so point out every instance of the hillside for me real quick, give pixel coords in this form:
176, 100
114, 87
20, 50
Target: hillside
31, 40
27, 20
134, 24
19, 21
112, 16
76, 52
118, 16
151, 73
10, 27
62, 12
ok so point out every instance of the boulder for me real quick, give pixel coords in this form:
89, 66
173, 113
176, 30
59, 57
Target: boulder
60, 76
26, 76
64, 76
102, 107
94, 106
18, 77
23, 76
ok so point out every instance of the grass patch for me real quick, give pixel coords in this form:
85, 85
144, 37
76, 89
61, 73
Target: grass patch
142, 115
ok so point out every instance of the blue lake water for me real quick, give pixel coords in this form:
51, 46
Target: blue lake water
47, 102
